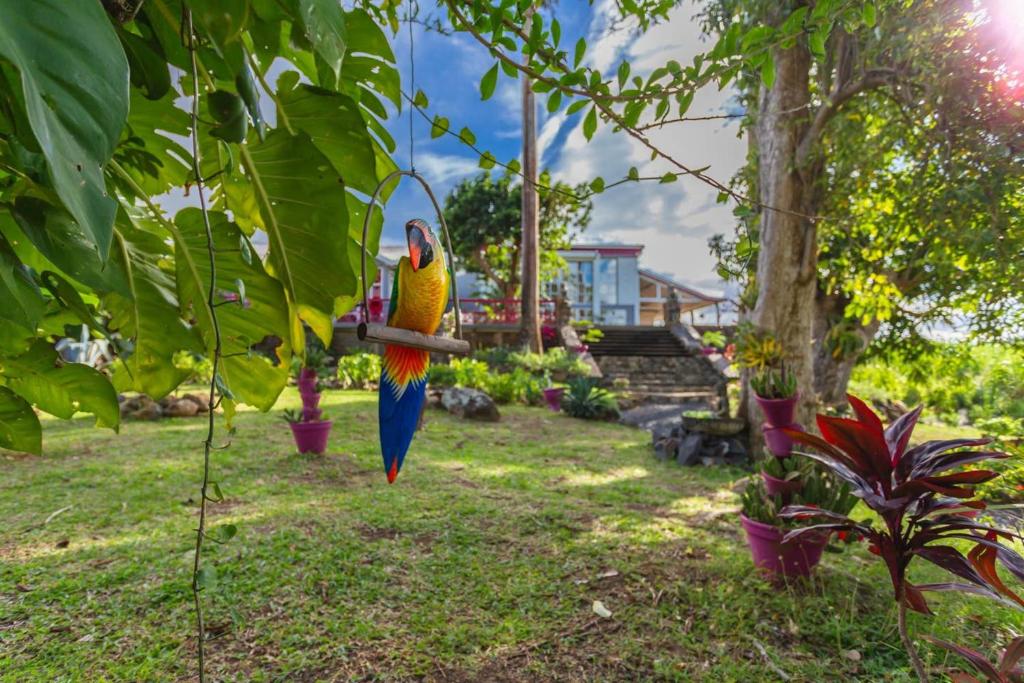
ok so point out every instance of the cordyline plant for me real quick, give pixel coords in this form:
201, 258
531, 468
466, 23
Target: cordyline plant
1006, 670
922, 505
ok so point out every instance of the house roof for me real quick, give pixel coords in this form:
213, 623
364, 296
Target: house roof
651, 275
610, 249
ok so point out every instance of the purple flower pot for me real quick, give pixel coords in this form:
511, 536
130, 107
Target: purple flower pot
311, 414
311, 437
795, 558
306, 381
310, 399
778, 412
780, 487
553, 397
777, 441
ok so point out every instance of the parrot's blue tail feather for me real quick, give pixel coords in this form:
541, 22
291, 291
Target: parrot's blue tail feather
403, 389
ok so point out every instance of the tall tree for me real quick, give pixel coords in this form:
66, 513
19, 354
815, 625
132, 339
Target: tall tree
484, 216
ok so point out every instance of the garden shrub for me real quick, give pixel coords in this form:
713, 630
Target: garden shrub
587, 401
359, 370
986, 381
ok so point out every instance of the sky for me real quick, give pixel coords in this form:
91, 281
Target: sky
672, 221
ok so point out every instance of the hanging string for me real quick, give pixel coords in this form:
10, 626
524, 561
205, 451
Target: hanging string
412, 83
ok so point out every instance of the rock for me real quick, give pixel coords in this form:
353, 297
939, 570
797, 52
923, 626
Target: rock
150, 410
434, 398
202, 401
688, 451
181, 407
470, 404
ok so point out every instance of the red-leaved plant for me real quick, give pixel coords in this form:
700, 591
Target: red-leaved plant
921, 503
1006, 670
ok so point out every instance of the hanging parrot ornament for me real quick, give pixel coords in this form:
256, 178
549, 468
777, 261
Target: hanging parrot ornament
419, 297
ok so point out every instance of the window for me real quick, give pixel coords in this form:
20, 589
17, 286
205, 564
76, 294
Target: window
580, 282
608, 281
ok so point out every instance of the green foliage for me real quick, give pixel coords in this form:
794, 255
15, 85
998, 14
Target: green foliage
484, 216
515, 385
713, 338
987, 381
769, 383
587, 401
198, 369
556, 361
82, 159
818, 488
359, 370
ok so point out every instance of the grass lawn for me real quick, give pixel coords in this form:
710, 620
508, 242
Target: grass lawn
481, 563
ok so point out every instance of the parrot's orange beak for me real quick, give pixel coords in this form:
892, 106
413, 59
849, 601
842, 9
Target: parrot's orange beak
421, 252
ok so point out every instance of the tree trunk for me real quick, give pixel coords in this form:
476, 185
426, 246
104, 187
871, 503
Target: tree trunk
787, 260
530, 252
832, 373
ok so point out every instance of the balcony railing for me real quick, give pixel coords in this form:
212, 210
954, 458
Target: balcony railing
475, 311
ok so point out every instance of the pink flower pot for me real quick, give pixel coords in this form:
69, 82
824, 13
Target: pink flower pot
311, 414
307, 380
777, 441
778, 412
553, 397
310, 399
780, 487
795, 558
311, 437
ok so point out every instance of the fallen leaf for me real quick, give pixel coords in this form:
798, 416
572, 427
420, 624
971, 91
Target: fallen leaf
63, 543
852, 655
600, 610
608, 574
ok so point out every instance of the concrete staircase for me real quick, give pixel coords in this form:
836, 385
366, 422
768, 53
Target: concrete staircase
660, 367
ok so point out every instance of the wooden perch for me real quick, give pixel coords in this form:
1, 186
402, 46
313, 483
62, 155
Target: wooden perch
383, 334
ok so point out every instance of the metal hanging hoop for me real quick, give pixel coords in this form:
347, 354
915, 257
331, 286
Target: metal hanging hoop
384, 334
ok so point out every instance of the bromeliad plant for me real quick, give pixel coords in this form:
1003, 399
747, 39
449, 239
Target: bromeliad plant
922, 496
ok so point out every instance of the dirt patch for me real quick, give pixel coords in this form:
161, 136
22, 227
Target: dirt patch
370, 533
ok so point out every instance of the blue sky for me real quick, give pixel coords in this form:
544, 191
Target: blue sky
673, 221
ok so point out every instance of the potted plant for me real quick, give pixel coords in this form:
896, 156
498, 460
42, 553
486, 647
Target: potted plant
310, 432
782, 476
773, 385
309, 426
552, 394
767, 530
919, 494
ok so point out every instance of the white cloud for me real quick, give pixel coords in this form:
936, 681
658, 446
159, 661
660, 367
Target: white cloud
673, 221
441, 168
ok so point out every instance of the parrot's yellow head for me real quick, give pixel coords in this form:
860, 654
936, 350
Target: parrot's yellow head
424, 248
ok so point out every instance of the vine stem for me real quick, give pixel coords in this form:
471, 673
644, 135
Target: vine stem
908, 644
210, 296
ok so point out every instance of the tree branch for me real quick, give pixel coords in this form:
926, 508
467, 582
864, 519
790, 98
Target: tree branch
871, 79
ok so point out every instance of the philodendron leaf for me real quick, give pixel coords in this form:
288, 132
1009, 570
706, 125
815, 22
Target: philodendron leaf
308, 239
19, 426
60, 238
62, 389
246, 85
74, 78
324, 23
21, 304
148, 66
261, 315
228, 110
149, 318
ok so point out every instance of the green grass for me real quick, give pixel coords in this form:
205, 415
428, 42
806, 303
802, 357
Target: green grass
481, 563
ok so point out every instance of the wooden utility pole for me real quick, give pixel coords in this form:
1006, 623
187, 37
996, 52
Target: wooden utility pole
529, 333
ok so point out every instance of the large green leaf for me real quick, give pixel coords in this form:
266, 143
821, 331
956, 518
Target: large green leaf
74, 77
302, 205
62, 389
59, 237
336, 126
324, 23
154, 159
19, 426
261, 311
21, 304
149, 318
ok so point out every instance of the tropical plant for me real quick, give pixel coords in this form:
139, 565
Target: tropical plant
359, 370
584, 399
818, 490
1006, 670
920, 503
771, 383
